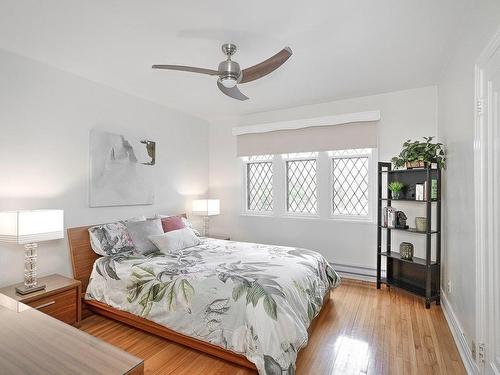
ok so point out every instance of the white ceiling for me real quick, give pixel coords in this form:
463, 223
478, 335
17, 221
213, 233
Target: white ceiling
341, 48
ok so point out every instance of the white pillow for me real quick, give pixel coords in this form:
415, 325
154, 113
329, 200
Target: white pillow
175, 240
137, 218
188, 224
161, 216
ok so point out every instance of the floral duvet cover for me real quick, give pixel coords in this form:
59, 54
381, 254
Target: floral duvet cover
256, 300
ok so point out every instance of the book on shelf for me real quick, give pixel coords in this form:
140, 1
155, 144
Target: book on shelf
419, 192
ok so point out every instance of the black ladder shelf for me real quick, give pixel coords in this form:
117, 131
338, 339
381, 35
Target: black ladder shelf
420, 276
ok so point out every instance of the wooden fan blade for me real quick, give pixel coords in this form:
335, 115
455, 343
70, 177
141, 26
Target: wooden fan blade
266, 67
188, 69
233, 92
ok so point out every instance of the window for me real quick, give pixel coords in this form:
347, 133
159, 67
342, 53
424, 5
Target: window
259, 183
350, 182
301, 183
326, 184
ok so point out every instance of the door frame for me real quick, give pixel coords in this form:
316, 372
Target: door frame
484, 192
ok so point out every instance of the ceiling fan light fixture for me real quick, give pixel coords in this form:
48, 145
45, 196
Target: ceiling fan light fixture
230, 74
228, 82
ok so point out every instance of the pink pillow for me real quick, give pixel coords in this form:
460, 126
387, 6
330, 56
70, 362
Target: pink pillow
172, 223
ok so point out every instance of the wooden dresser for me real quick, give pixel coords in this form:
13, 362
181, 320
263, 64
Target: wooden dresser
33, 343
60, 299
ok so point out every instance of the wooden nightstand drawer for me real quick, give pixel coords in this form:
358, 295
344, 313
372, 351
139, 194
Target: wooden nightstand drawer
61, 306
60, 299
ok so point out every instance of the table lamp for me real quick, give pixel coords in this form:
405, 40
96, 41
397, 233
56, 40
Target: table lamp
206, 208
27, 227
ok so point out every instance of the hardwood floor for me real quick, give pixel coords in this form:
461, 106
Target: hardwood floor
360, 330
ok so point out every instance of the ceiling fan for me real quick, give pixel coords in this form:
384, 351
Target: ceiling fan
229, 71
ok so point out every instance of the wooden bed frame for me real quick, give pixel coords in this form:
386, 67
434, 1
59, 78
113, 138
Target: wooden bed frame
83, 259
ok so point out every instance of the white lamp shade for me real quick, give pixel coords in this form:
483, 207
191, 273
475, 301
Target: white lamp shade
206, 207
29, 226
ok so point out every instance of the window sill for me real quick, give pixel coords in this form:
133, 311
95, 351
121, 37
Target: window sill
353, 219
299, 216
257, 214
346, 219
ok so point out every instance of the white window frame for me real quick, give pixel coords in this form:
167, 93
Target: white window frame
324, 188
284, 159
372, 193
244, 164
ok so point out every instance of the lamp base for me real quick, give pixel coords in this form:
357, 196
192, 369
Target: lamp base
27, 290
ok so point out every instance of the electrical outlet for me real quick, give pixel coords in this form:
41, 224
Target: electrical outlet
448, 287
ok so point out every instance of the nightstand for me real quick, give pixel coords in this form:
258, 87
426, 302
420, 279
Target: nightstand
220, 237
60, 298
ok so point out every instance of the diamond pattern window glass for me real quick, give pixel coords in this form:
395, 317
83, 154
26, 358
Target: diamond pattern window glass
301, 186
350, 184
260, 186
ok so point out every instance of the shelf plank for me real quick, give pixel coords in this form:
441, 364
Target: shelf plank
409, 200
408, 170
410, 230
414, 260
408, 287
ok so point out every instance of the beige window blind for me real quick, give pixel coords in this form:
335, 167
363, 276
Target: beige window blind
317, 138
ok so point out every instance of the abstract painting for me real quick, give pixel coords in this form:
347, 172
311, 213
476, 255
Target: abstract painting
121, 170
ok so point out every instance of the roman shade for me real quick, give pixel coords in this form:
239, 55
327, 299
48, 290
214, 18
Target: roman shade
343, 136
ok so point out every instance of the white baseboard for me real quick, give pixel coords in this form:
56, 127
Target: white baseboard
463, 347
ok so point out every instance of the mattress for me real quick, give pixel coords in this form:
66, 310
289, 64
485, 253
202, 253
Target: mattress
252, 299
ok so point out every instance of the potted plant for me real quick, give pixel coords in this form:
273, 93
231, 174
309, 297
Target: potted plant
416, 154
396, 187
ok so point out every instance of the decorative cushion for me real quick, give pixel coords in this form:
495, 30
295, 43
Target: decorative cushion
176, 240
188, 224
140, 231
110, 239
172, 223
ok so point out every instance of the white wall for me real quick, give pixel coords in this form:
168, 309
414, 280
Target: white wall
45, 119
456, 130
405, 114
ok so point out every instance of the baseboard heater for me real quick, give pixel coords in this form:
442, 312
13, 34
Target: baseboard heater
355, 271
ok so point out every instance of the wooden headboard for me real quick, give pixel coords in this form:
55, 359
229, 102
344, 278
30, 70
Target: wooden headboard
82, 255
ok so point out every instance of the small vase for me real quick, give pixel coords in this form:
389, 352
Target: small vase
421, 224
406, 250
396, 194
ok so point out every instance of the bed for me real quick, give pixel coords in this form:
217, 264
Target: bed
247, 303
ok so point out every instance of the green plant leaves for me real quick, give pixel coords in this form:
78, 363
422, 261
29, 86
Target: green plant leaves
396, 186
427, 152
170, 299
146, 282
239, 290
310, 311
255, 293
273, 368
270, 307
262, 288
185, 294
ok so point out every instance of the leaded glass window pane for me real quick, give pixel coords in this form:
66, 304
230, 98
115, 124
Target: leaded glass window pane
301, 186
350, 185
260, 186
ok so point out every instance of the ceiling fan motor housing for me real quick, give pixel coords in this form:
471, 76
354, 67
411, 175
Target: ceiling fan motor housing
230, 70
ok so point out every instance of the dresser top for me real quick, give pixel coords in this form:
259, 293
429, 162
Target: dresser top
34, 343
